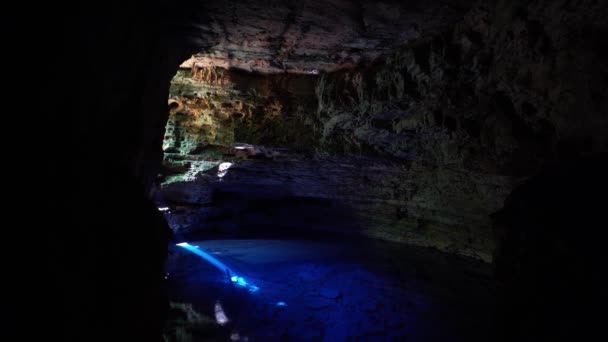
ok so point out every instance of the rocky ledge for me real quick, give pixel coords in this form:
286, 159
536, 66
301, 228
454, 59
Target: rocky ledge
254, 191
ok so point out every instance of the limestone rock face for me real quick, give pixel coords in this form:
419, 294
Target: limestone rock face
311, 36
292, 193
501, 91
476, 109
215, 106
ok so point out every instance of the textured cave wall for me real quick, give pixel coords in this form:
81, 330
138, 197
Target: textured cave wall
469, 110
475, 110
312, 36
429, 203
215, 106
211, 109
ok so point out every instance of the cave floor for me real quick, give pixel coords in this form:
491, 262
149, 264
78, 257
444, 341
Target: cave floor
311, 290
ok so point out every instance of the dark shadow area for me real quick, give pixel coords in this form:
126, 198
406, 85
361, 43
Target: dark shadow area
102, 97
254, 211
551, 262
260, 199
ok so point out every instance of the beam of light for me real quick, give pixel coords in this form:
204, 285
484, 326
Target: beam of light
237, 280
281, 304
220, 315
213, 261
163, 209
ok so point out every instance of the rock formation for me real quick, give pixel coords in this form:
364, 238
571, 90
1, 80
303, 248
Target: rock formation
470, 110
311, 36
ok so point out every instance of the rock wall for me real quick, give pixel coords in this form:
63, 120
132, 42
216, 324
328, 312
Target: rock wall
215, 106
475, 110
311, 36
469, 112
510, 87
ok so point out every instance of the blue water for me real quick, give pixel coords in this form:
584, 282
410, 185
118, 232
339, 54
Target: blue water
230, 274
334, 291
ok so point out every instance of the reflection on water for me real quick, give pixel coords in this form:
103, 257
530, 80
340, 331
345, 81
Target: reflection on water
220, 315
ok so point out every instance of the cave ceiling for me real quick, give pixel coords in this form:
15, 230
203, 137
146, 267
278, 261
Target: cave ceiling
309, 36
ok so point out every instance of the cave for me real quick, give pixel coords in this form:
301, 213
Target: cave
317, 170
